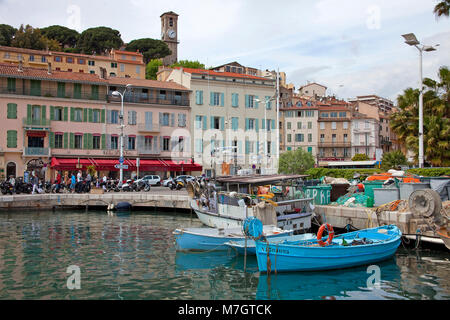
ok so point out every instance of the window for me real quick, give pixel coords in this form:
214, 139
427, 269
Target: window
299, 137
162, 94
289, 126
251, 124
81, 61
7, 55
61, 93
58, 59
250, 102
132, 117
58, 114
309, 137
181, 144
333, 138
345, 137
114, 142
333, 125
289, 138
35, 87
235, 100
96, 116
165, 119
299, 125
309, 125
148, 142
96, 142
78, 141
366, 124
199, 97
333, 115
322, 138
113, 64
20, 57
114, 116
78, 115
138, 69
91, 63
322, 125
31, 58
342, 114
345, 125
122, 67
69, 70
216, 123
324, 114
268, 124
131, 143
69, 60
166, 142
11, 136
11, 85
12, 111
215, 99
58, 141
94, 92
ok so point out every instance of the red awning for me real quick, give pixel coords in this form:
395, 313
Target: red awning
38, 134
109, 164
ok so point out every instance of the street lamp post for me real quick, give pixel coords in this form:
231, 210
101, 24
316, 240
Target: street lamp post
412, 41
116, 94
266, 102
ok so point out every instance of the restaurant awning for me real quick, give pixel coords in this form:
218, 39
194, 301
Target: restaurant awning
109, 164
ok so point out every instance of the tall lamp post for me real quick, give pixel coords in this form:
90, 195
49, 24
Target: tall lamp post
121, 95
411, 40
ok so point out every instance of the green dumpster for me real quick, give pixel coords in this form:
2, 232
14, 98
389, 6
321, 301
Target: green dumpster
321, 194
370, 185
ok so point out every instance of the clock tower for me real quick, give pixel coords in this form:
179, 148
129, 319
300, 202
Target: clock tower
169, 34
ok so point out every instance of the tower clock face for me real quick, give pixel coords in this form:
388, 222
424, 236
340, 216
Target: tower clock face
171, 33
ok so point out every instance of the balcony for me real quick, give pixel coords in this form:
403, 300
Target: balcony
149, 152
334, 144
53, 93
149, 127
36, 124
31, 152
146, 99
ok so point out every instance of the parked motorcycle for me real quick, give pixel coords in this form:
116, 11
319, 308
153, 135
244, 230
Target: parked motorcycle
178, 184
141, 185
6, 187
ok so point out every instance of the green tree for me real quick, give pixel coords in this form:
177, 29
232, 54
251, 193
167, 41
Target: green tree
65, 36
188, 64
29, 38
7, 33
152, 69
295, 162
98, 40
360, 157
150, 48
436, 113
393, 159
442, 9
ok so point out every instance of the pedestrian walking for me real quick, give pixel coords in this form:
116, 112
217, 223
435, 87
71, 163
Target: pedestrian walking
72, 183
58, 181
34, 181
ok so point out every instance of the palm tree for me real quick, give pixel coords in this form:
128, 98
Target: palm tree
393, 159
442, 9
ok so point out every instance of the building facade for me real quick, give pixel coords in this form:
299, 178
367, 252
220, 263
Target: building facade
313, 90
69, 121
169, 34
233, 119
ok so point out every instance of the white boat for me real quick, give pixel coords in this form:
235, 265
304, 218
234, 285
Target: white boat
213, 239
287, 207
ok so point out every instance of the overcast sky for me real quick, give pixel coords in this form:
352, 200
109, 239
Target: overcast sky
354, 47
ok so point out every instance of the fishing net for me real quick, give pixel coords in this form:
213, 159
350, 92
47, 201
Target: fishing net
352, 200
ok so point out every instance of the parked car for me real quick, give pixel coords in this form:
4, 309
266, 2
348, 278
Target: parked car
151, 180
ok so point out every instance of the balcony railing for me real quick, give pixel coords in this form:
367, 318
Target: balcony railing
334, 144
145, 98
53, 93
29, 151
149, 127
29, 122
149, 152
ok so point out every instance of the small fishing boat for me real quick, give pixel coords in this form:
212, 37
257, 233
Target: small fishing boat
214, 239
346, 250
239, 245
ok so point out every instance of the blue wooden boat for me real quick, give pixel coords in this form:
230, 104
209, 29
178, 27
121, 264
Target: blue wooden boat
239, 245
214, 239
346, 250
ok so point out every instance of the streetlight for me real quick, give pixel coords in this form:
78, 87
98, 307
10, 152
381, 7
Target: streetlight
411, 40
121, 95
265, 123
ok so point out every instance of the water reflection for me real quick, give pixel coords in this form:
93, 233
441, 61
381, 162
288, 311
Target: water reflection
132, 256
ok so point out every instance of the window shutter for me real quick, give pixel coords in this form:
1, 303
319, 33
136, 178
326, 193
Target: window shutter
103, 140
12, 111
247, 147
66, 113
256, 125
134, 117
43, 113
247, 124
108, 116
11, 138
85, 140
211, 98
273, 124
85, 115
72, 114
263, 124
72, 141
91, 115
51, 139
205, 126
90, 141
161, 119
222, 123
256, 103
211, 122
29, 113
108, 142
66, 140
103, 116
172, 119
222, 99
247, 105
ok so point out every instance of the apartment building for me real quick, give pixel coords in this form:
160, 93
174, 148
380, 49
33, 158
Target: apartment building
286, 96
233, 119
365, 139
300, 125
117, 63
334, 131
68, 121
313, 90
383, 104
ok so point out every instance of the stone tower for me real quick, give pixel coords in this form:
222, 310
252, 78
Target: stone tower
169, 34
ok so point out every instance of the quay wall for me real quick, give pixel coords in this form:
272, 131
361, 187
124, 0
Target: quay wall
51, 201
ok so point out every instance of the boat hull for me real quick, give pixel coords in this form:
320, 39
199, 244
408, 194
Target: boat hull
295, 257
202, 239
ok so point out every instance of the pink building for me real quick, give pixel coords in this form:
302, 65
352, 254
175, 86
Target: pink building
53, 120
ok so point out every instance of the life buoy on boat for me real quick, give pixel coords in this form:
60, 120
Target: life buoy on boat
330, 234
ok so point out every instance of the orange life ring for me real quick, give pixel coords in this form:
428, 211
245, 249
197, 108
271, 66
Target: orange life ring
330, 235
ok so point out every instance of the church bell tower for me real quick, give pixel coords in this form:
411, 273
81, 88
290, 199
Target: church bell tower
169, 34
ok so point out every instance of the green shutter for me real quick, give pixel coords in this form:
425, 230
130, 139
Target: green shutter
211, 98
11, 85
52, 113
11, 138
61, 93
103, 120
77, 91
72, 114
43, 114
29, 111
94, 90
12, 111
35, 87
85, 140
90, 141
51, 139
91, 116
85, 115
66, 113
66, 140
103, 140
72, 141
222, 99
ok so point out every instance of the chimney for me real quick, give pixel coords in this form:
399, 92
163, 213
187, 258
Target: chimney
20, 66
49, 68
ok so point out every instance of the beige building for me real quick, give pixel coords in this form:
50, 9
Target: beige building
233, 126
169, 34
313, 90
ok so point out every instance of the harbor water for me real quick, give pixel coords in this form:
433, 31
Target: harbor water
132, 256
